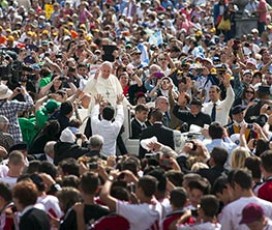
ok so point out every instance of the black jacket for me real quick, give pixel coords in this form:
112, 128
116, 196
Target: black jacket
34, 219
213, 173
136, 129
65, 150
164, 135
200, 119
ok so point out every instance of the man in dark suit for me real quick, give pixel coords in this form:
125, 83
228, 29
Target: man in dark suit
234, 127
253, 112
138, 122
217, 161
193, 117
25, 195
164, 135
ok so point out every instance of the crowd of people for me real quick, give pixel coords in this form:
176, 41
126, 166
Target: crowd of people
145, 69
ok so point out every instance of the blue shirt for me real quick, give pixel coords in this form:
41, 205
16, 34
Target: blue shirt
228, 145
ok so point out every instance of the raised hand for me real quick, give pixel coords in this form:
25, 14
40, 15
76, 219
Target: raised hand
120, 99
226, 79
98, 98
97, 73
181, 99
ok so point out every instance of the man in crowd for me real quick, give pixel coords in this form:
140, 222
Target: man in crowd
107, 128
9, 108
217, 109
241, 187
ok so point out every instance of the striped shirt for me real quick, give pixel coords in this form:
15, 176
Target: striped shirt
9, 109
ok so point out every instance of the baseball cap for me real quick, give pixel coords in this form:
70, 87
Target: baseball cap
237, 109
51, 106
251, 212
247, 72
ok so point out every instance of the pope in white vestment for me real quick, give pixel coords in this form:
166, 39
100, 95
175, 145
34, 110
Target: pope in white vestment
105, 84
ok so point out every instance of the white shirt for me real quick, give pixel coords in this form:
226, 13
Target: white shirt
201, 226
49, 159
107, 129
231, 215
226, 144
11, 181
222, 107
251, 6
139, 216
51, 205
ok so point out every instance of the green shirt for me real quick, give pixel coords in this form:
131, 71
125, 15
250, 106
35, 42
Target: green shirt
45, 81
41, 118
28, 128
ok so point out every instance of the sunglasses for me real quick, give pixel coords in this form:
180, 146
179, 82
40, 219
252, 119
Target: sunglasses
250, 92
162, 59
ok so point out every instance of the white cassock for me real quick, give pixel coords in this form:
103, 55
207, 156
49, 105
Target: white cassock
109, 88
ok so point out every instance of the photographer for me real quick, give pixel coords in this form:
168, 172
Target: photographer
9, 108
56, 84
163, 87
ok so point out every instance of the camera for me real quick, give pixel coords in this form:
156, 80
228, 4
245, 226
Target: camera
93, 165
59, 56
78, 135
62, 78
150, 156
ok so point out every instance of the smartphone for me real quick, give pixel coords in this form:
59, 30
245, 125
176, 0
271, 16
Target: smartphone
93, 165
149, 155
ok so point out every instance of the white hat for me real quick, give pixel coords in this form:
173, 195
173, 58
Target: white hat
251, 61
67, 136
66, 38
5, 92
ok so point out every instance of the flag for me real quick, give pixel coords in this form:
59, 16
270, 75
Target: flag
156, 38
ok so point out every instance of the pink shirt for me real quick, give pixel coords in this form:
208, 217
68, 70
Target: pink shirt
262, 7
